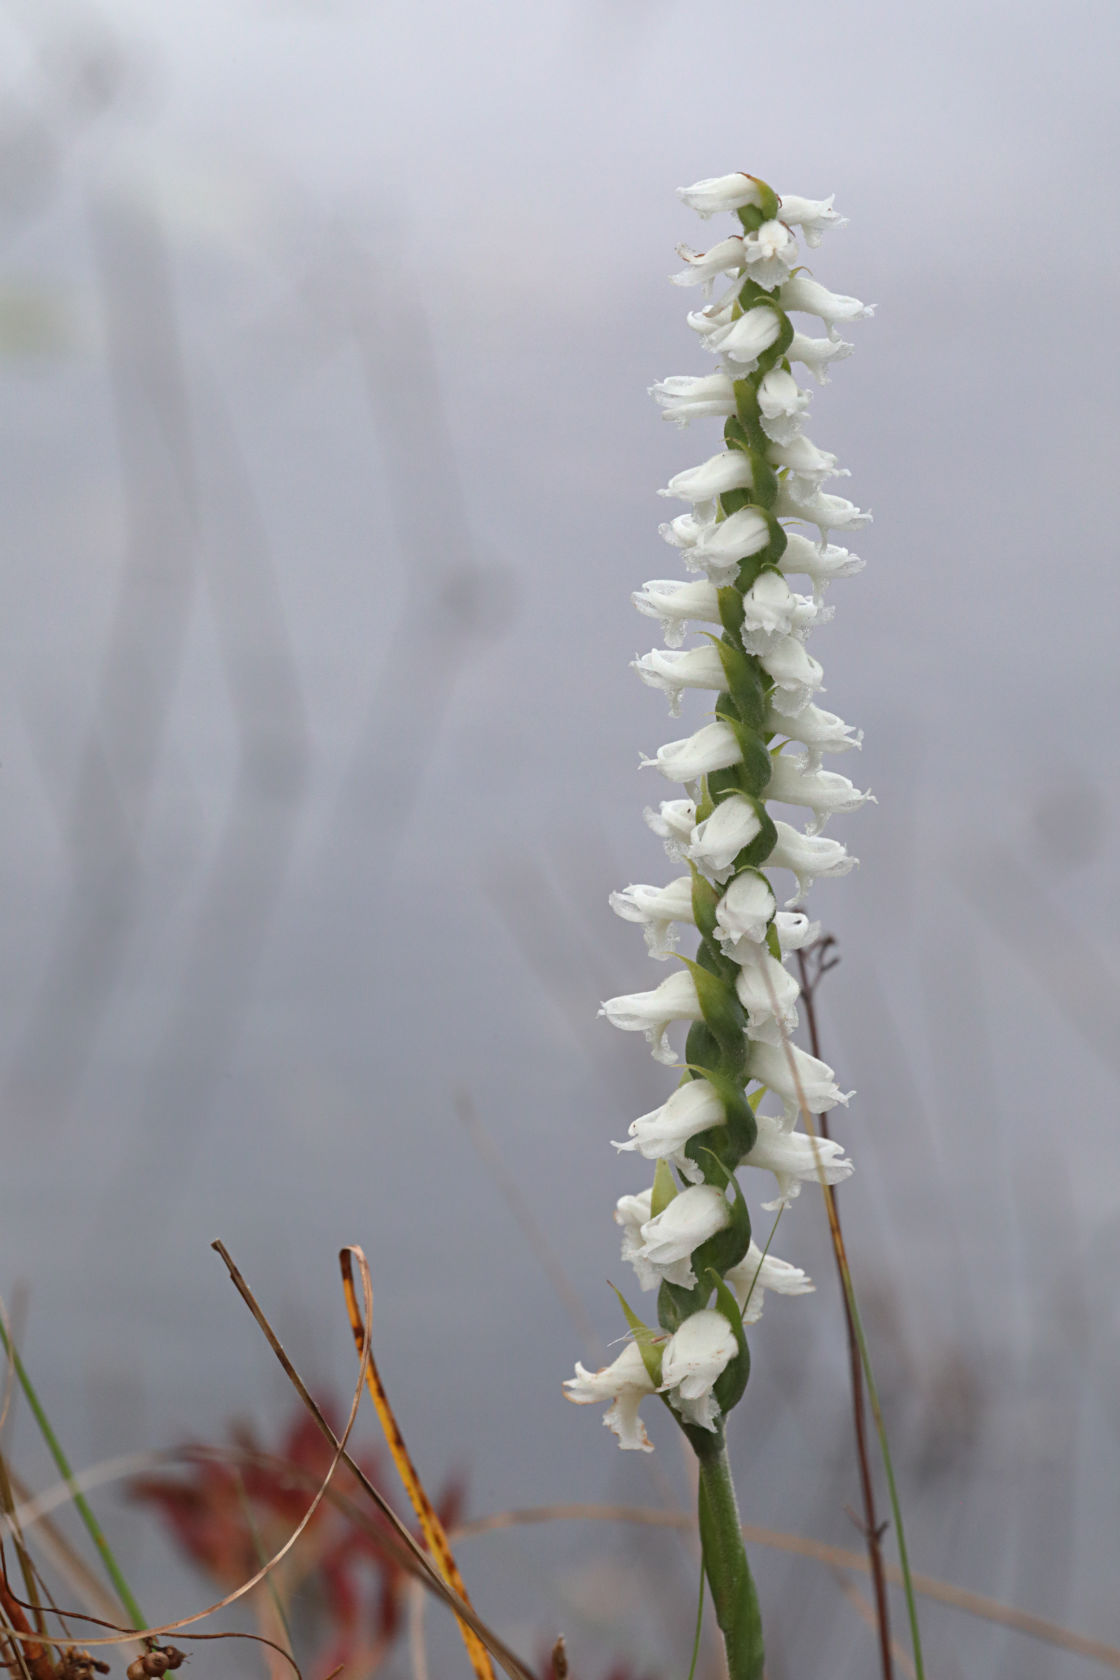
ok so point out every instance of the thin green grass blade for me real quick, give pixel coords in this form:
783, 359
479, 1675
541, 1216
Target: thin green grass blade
81, 1504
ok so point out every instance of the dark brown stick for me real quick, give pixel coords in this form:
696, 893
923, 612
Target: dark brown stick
825, 958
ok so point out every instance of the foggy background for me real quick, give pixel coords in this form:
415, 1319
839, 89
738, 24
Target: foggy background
326, 332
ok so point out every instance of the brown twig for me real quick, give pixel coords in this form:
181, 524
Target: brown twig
814, 963
820, 1551
35, 1658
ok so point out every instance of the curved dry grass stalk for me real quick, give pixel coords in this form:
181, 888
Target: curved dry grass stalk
421, 1562
837, 1557
430, 1525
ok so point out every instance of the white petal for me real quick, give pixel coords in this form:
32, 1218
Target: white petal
770, 252
818, 561
809, 297
808, 856
756, 1273
674, 1235
827, 513
704, 266
672, 822
694, 1107
712, 748
625, 1383
795, 1159
674, 670
807, 462
693, 1361
676, 604
745, 910
796, 674
817, 354
768, 993
744, 340
656, 909
818, 730
825, 792
812, 215
684, 397
716, 842
720, 192
781, 405
730, 470
721, 546
685, 531
809, 1077
653, 1013
768, 608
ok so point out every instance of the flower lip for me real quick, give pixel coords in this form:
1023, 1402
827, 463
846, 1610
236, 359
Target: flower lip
625, 1383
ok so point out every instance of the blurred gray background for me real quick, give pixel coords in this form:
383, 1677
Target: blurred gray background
326, 331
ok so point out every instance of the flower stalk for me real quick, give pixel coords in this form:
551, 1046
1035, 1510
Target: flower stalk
725, 1559
689, 1236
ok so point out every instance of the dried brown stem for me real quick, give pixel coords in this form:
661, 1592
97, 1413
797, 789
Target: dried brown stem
823, 958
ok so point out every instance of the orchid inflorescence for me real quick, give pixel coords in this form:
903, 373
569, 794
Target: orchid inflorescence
689, 1234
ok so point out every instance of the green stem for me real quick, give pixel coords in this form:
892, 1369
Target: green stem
62, 1464
725, 1559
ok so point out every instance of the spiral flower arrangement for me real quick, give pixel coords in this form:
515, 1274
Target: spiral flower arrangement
689, 1234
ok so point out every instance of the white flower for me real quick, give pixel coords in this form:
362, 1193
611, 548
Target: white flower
825, 792
819, 731
624, 1383
673, 1236
820, 562
768, 610
781, 403
795, 1159
827, 513
817, 354
705, 266
795, 930
744, 340
812, 215
715, 843
721, 192
730, 470
809, 857
631, 1213
713, 316
656, 908
721, 546
673, 822
756, 1273
693, 1360
684, 397
808, 297
673, 670
809, 1082
770, 252
686, 530
676, 604
714, 747
768, 993
745, 910
661, 1134
796, 674
807, 462
653, 1013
